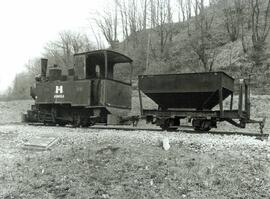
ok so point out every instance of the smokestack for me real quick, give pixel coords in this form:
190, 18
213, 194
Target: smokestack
44, 65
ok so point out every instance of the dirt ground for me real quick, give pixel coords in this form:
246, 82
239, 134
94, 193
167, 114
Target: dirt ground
88, 163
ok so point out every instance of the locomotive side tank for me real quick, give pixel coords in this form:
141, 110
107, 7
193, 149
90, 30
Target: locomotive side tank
92, 92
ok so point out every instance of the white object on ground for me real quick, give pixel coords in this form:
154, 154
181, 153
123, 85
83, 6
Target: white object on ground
166, 144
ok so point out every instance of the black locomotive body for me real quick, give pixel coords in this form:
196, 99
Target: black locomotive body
90, 93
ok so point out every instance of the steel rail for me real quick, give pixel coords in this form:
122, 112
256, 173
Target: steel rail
259, 135
129, 128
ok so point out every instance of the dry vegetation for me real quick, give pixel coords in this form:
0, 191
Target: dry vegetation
114, 164
10, 111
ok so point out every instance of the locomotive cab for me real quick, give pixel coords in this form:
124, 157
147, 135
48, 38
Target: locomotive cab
103, 64
110, 75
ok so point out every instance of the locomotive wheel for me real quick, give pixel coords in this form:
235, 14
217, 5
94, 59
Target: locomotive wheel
83, 122
49, 123
167, 124
86, 122
62, 124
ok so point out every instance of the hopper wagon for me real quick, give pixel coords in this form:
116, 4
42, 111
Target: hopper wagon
198, 97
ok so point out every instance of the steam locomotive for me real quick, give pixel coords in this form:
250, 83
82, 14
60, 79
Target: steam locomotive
90, 93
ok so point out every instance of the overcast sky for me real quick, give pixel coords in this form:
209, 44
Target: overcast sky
27, 25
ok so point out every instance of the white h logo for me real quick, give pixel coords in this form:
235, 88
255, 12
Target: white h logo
59, 89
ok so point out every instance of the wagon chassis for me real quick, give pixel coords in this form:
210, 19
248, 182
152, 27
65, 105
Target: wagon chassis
214, 116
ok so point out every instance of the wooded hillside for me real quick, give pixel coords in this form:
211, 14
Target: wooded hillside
173, 36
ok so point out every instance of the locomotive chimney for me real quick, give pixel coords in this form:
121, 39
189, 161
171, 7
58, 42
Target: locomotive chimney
44, 65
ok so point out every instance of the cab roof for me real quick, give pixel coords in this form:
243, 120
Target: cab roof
113, 56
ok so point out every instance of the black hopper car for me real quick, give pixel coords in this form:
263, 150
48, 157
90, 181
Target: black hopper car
199, 97
92, 93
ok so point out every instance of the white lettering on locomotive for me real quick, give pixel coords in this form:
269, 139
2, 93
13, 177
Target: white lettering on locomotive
59, 89
59, 92
59, 96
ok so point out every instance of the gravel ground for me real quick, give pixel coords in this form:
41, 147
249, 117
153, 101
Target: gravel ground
10, 112
89, 163
120, 164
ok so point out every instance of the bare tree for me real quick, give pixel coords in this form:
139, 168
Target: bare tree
124, 18
170, 20
188, 14
188, 9
108, 24
132, 15
145, 14
232, 18
96, 34
162, 23
133, 21
245, 20
182, 10
260, 29
256, 21
61, 51
201, 40
33, 67
153, 13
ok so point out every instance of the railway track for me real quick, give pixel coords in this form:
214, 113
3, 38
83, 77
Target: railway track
227, 133
11, 123
261, 136
258, 135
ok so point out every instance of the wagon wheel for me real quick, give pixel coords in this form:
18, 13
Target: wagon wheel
85, 123
201, 125
76, 120
206, 125
92, 122
61, 124
170, 124
49, 123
